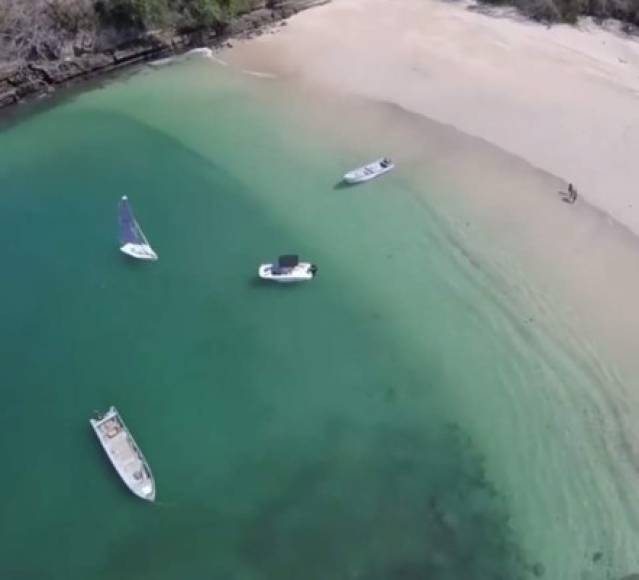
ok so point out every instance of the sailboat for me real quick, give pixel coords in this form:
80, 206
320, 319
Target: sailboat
133, 242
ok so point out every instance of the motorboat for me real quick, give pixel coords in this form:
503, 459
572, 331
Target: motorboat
124, 453
288, 268
370, 171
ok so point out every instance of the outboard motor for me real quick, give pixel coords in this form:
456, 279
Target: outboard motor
314, 269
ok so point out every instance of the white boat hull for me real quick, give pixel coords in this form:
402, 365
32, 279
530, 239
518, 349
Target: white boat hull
368, 172
303, 272
139, 251
124, 454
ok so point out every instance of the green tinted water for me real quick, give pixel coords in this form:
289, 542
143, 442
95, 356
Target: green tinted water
318, 431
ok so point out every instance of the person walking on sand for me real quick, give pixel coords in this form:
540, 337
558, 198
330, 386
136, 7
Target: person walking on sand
570, 196
572, 193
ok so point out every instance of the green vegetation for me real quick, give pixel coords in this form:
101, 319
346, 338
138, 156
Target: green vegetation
51, 29
569, 10
39, 29
154, 13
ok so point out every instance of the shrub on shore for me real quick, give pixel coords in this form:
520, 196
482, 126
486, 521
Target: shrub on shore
570, 10
36, 29
39, 29
176, 13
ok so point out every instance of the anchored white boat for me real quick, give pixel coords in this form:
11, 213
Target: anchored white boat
124, 453
133, 242
288, 269
370, 171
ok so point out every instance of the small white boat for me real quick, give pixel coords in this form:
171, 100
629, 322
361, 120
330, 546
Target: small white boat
124, 454
370, 171
288, 269
133, 242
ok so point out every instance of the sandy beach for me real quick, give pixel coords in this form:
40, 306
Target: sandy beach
520, 110
511, 82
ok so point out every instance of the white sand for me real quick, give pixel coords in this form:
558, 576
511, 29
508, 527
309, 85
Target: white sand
565, 99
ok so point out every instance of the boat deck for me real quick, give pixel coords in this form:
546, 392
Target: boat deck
122, 448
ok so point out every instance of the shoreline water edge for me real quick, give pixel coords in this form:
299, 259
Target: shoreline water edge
23, 81
564, 98
467, 356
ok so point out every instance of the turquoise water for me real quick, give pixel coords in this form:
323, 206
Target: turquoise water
348, 428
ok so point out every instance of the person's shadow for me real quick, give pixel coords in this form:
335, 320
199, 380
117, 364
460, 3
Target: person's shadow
567, 196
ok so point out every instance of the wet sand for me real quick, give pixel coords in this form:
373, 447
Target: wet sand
565, 99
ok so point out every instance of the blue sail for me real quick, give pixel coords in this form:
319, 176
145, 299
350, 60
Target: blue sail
130, 232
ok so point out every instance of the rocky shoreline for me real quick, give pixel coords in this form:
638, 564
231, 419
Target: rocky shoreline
24, 80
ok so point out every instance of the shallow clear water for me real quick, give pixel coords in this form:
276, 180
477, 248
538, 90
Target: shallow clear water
380, 422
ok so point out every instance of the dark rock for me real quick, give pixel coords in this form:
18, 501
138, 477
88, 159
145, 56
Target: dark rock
597, 556
48, 72
538, 569
198, 38
133, 54
252, 21
84, 43
262, 16
286, 12
178, 41
9, 71
19, 76
156, 39
92, 62
111, 39
31, 87
254, 5
60, 72
8, 98
60, 61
